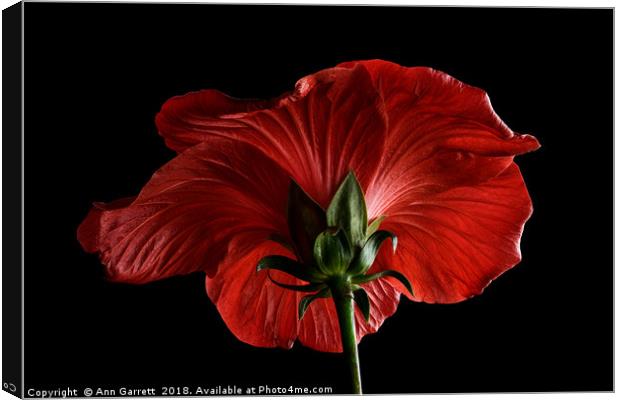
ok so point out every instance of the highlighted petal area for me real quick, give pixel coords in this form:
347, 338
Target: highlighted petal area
442, 133
454, 243
187, 215
333, 122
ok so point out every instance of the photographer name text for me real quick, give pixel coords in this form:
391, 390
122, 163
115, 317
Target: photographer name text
218, 390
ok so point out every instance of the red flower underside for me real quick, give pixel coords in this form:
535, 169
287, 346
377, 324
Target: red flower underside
430, 154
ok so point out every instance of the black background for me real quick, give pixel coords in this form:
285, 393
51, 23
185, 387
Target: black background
96, 75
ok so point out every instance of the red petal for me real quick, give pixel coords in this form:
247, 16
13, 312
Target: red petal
452, 244
331, 124
441, 133
184, 120
184, 218
255, 310
89, 232
319, 328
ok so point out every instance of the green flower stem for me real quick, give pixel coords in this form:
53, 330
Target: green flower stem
342, 294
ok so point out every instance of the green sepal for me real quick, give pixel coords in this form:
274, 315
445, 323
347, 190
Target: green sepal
306, 219
289, 266
306, 300
311, 287
361, 299
347, 210
369, 252
332, 252
374, 226
390, 272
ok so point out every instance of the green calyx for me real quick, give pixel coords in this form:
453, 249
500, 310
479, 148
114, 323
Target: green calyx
332, 252
335, 248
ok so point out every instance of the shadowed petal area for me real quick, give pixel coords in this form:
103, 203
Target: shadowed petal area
332, 123
452, 244
442, 133
186, 215
256, 311
98, 216
319, 328
263, 314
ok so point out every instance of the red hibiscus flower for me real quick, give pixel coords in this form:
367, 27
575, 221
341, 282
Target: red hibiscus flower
299, 186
